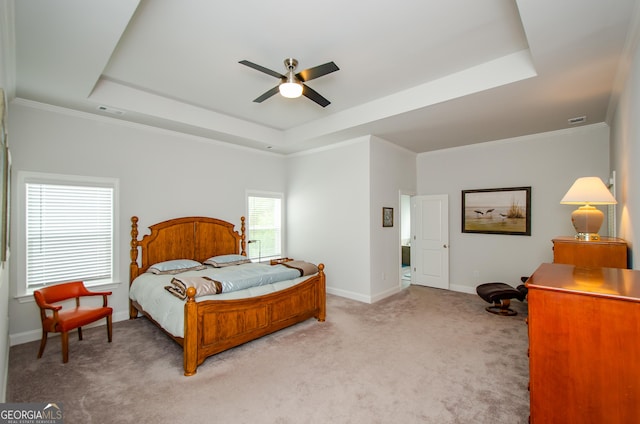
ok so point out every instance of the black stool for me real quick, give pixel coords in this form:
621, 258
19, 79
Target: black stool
500, 294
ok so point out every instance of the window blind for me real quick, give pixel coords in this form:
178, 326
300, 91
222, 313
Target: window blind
265, 222
69, 233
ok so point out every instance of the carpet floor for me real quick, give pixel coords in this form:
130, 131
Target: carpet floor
421, 356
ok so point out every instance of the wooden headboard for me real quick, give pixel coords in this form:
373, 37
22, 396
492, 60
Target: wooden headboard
194, 237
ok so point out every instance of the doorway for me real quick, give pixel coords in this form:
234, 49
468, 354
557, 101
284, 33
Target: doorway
405, 240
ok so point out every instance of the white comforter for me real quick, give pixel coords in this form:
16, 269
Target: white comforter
168, 311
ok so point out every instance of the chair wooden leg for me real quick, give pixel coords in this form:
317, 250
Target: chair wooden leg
43, 343
109, 328
79, 333
64, 337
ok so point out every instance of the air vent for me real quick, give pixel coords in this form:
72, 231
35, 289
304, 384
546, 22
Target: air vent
577, 120
110, 110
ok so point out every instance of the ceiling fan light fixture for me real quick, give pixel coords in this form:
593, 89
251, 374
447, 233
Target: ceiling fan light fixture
294, 85
291, 88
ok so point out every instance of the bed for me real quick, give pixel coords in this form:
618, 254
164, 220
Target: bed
209, 324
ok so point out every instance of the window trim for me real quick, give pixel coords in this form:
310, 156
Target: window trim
23, 294
274, 195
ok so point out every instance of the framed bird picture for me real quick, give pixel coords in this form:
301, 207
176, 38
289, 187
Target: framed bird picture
497, 211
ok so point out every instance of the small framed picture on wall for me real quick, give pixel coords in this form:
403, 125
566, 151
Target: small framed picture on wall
387, 217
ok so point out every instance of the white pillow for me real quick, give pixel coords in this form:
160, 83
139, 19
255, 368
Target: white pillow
175, 266
227, 260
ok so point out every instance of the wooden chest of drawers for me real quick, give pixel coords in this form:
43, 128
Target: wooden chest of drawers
608, 252
584, 342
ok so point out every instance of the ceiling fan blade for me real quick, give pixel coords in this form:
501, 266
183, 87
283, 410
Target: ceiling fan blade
312, 94
262, 69
317, 71
268, 94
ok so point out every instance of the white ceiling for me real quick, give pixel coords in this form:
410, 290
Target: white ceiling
425, 74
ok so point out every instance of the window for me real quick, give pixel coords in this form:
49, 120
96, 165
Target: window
69, 230
264, 213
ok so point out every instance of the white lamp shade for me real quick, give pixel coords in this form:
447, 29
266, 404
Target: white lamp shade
588, 191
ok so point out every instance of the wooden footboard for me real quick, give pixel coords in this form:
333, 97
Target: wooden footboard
214, 326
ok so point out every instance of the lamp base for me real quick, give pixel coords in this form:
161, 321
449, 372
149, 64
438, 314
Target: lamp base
587, 236
587, 221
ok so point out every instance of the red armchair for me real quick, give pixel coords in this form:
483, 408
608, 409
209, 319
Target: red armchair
56, 320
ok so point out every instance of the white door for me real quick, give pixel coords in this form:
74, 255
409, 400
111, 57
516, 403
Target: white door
430, 241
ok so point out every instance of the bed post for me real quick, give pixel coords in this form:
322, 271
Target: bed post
243, 243
322, 294
190, 344
133, 266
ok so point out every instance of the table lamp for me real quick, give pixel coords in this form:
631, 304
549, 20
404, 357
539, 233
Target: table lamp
588, 191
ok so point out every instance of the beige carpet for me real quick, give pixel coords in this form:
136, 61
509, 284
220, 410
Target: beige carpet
422, 356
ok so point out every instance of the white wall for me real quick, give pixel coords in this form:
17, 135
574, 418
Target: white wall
162, 175
328, 214
393, 170
7, 83
340, 191
548, 162
625, 148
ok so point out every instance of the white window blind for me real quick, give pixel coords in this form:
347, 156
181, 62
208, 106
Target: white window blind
69, 233
265, 226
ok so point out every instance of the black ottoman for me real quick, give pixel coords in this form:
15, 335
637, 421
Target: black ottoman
500, 294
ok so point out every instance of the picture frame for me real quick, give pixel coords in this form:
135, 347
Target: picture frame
387, 217
497, 211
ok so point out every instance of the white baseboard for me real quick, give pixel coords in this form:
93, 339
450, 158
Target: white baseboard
34, 335
372, 299
462, 289
363, 298
378, 297
349, 295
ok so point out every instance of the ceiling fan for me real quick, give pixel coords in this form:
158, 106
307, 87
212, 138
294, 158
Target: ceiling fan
293, 86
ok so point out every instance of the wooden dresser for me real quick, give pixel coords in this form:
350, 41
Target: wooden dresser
608, 251
584, 345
